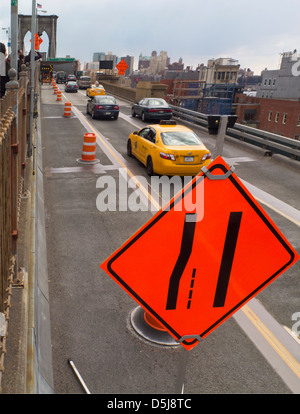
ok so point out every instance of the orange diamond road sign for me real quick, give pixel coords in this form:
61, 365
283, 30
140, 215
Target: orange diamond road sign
37, 41
192, 273
122, 66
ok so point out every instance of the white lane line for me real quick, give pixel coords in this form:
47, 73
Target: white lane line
271, 339
237, 160
129, 120
274, 203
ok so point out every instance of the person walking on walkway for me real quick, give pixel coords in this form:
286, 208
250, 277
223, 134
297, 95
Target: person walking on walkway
4, 68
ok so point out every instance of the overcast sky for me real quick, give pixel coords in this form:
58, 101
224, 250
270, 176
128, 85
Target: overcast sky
253, 32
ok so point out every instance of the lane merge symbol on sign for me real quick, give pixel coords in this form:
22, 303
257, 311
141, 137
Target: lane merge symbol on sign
191, 270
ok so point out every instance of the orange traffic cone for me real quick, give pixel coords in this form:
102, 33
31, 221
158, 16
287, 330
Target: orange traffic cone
89, 149
149, 328
55, 90
67, 111
58, 95
153, 322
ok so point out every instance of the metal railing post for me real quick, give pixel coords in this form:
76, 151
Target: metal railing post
221, 136
14, 35
32, 52
13, 88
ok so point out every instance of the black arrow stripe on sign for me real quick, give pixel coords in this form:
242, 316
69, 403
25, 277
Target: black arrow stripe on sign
227, 258
184, 255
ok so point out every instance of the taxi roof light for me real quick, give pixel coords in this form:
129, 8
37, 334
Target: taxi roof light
167, 122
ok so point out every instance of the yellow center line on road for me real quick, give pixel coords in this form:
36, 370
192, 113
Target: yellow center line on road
290, 361
278, 211
154, 203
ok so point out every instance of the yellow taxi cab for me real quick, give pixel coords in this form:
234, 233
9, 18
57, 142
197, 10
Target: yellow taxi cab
168, 149
95, 90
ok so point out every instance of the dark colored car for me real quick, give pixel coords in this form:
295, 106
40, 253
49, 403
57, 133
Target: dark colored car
152, 108
61, 77
103, 106
71, 78
71, 86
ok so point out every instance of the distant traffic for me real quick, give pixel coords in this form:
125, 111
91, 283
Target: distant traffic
165, 148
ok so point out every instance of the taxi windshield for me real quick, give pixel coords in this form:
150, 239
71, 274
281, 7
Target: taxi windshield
180, 138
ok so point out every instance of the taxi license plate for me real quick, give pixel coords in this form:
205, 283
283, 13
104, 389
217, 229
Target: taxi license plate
188, 159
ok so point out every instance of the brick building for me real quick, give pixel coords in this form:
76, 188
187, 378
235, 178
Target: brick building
276, 107
279, 116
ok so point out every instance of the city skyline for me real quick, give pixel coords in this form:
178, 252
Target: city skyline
194, 30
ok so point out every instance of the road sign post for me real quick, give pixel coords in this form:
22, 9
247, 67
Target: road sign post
32, 53
221, 136
14, 34
191, 275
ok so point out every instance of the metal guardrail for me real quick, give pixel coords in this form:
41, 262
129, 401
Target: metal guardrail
273, 143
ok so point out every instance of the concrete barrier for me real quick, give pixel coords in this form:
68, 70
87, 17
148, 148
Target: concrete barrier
144, 89
120, 91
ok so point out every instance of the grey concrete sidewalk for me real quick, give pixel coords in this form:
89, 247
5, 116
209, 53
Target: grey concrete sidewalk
28, 362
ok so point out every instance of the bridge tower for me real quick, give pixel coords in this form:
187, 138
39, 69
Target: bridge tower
46, 24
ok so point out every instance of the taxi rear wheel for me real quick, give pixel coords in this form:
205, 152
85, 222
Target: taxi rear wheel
149, 166
129, 151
